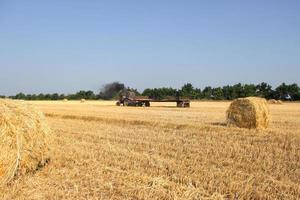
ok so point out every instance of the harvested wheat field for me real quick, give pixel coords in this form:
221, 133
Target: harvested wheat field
101, 151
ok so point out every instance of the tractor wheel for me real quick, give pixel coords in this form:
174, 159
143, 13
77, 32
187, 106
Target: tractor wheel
126, 103
147, 104
187, 105
180, 104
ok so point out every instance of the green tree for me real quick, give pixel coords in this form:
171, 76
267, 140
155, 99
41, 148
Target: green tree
187, 90
207, 92
159, 93
249, 90
264, 90
198, 93
285, 91
227, 92
54, 96
217, 93
20, 96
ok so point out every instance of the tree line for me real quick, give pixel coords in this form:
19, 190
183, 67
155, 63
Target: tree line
228, 92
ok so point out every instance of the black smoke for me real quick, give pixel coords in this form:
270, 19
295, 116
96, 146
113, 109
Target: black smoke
112, 90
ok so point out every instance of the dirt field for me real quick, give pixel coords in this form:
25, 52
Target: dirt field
106, 152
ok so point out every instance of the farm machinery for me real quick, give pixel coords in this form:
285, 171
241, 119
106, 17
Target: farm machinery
143, 101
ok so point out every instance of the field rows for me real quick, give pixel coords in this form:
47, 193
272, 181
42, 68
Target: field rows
106, 152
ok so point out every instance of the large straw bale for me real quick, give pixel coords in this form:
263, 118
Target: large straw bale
251, 112
24, 139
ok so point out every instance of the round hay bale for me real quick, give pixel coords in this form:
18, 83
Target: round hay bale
251, 112
279, 102
82, 100
272, 101
24, 140
66, 100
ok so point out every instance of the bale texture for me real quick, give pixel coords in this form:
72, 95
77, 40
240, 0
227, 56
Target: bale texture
251, 112
24, 140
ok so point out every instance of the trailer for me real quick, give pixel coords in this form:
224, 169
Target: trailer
146, 101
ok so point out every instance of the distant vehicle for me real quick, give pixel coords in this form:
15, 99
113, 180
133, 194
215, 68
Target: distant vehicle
143, 101
286, 97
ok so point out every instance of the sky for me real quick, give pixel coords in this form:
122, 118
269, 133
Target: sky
69, 45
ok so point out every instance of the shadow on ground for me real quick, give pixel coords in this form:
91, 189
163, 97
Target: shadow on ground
218, 124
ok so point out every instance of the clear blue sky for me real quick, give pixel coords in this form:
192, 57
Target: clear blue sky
67, 45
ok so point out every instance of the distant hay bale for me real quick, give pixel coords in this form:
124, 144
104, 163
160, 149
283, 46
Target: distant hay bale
251, 112
82, 100
274, 101
24, 140
66, 100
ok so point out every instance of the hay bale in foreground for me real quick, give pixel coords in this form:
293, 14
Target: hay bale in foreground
251, 112
24, 139
82, 100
